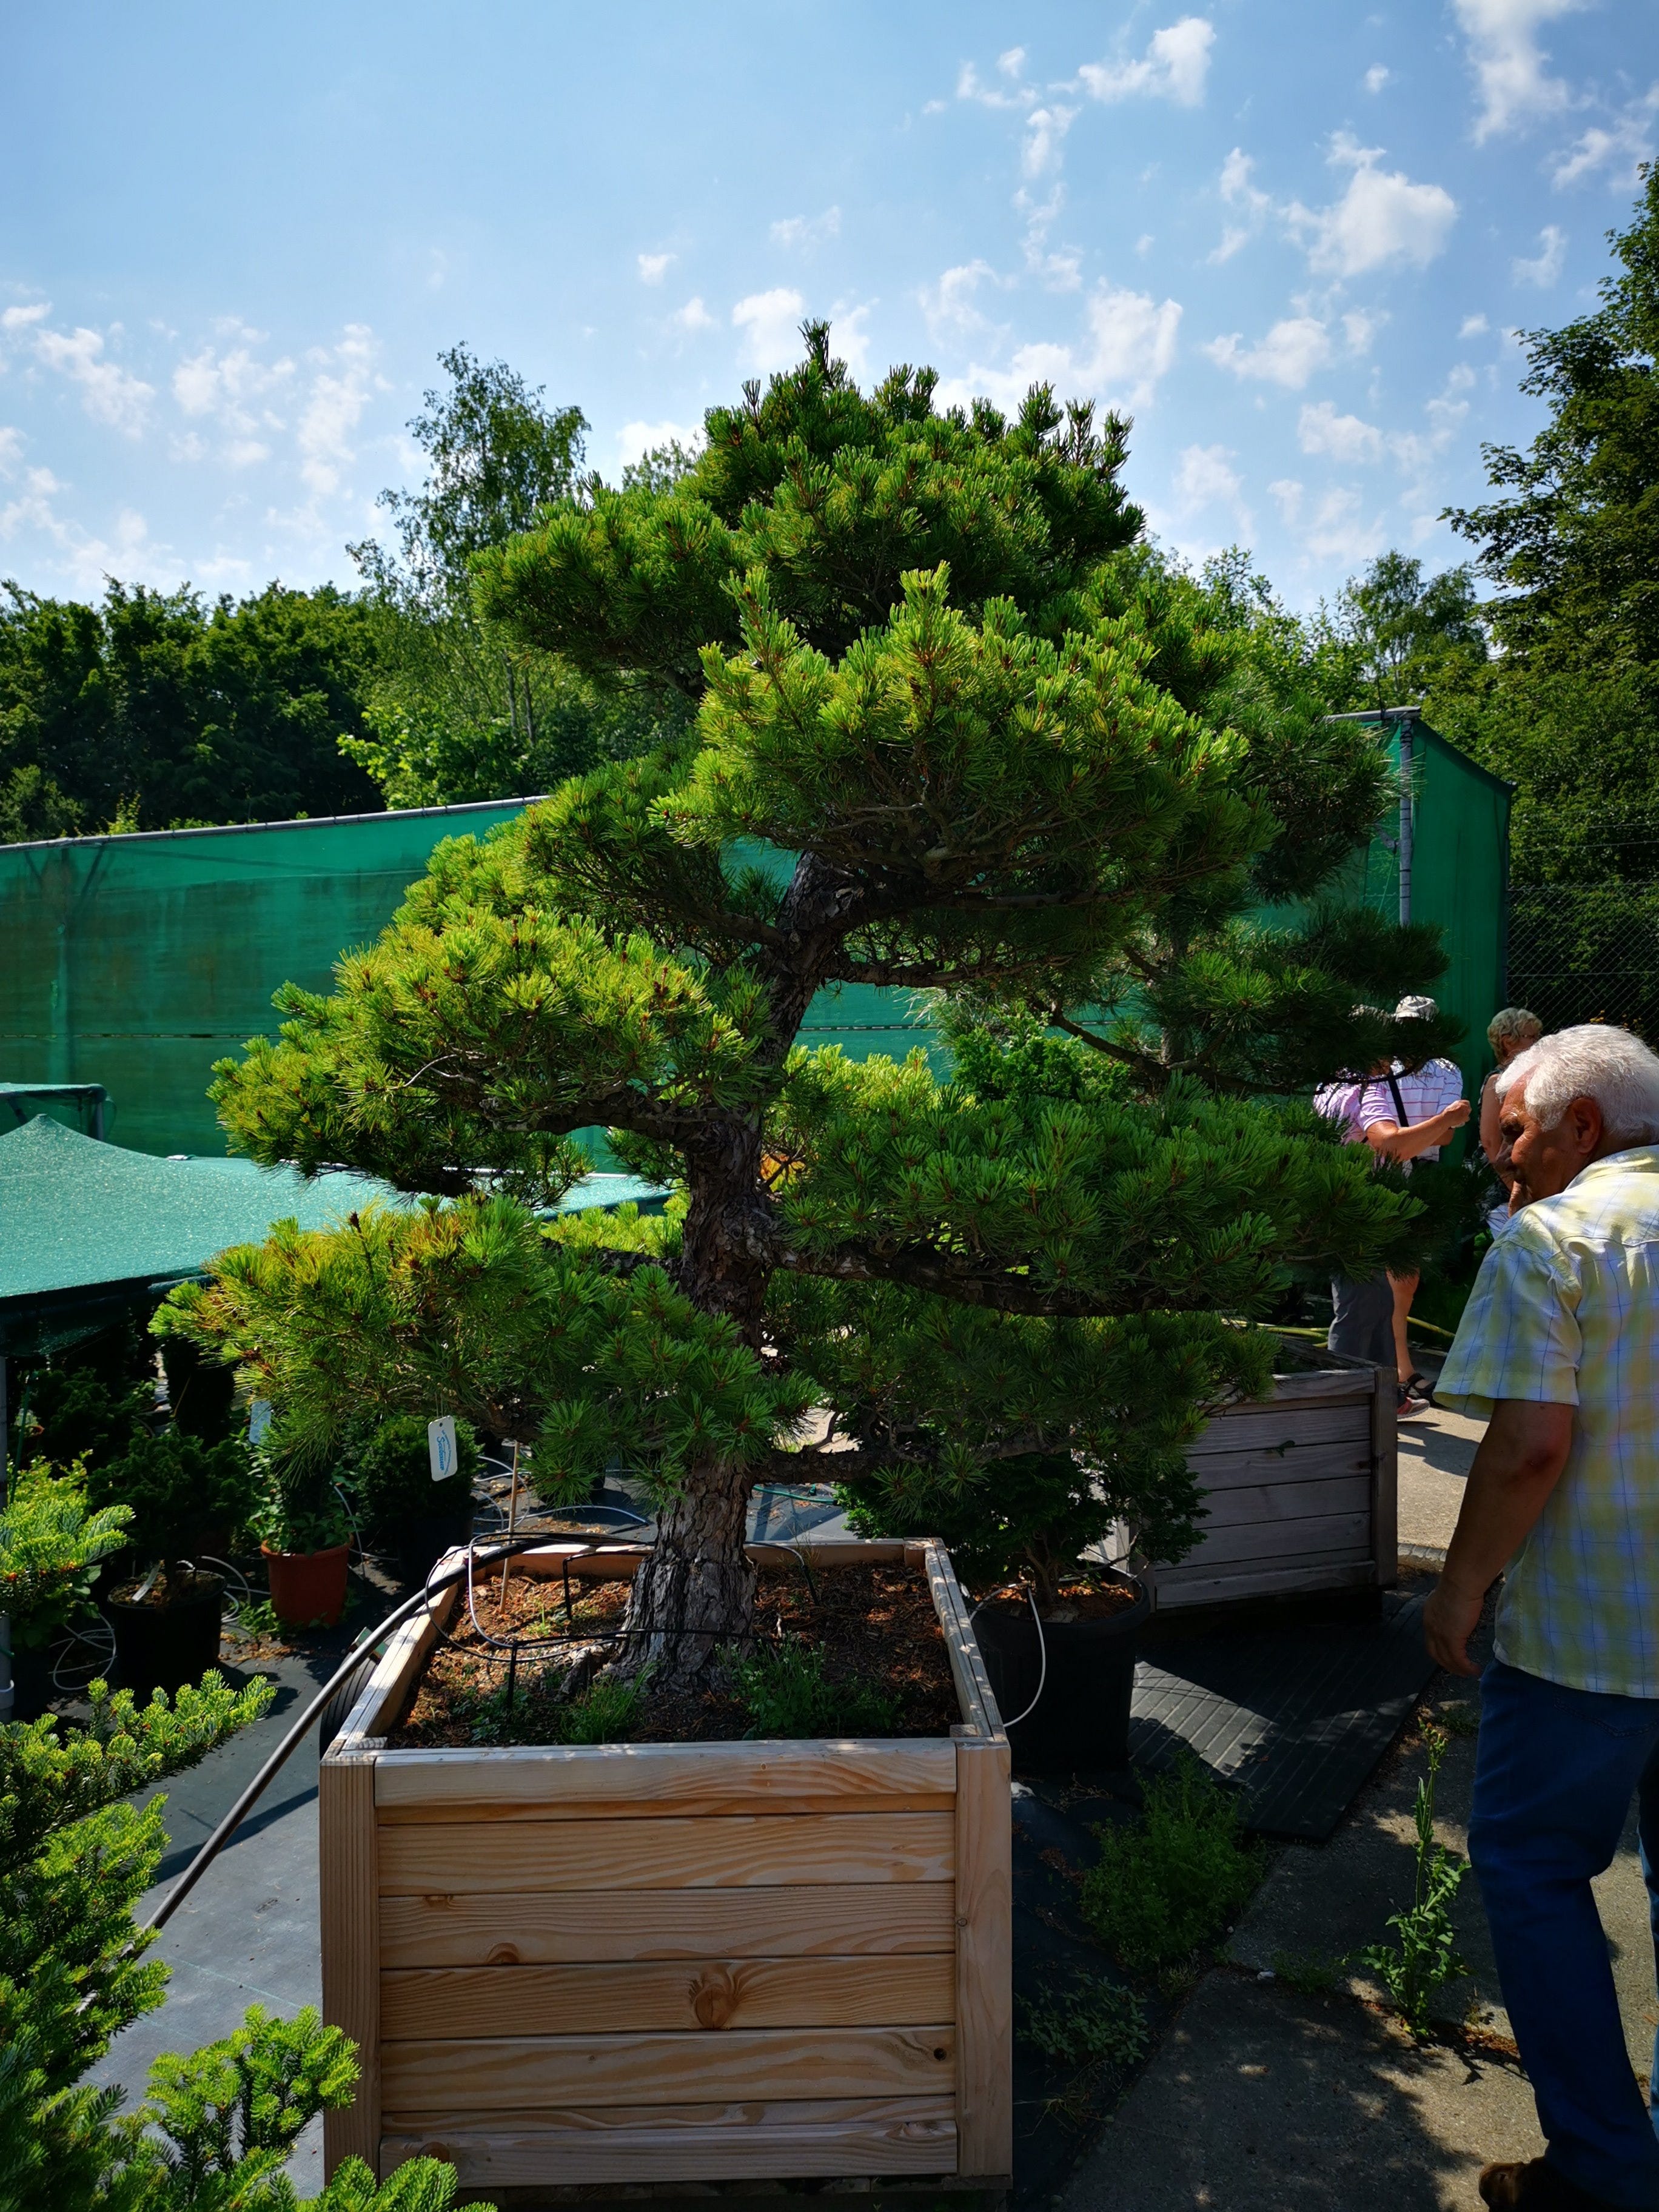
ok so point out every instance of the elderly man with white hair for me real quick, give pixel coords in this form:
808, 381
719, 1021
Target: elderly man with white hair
1560, 1345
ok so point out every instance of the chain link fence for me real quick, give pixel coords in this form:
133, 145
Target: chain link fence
1586, 954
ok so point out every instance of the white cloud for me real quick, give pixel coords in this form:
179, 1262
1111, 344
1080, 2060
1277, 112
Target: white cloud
1237, 192
1175, 66
1547, 264
770, 322
636, 439
1288, 493
230, 384
849, 341
652, 267
1620, 149
1290, 354
108, 393
85, 561
1336, 531
1045, 134
21, 318
11, 450
1130, 343
1472, 327
970, 86
1204, 477
1376, 77
1381, 218
1345, 438
693, 316
952, 304
1511, 70
340, 390
808, 231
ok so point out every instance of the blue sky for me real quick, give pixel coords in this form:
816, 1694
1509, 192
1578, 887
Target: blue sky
1293, 239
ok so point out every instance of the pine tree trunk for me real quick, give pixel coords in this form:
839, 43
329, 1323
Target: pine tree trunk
694, 1595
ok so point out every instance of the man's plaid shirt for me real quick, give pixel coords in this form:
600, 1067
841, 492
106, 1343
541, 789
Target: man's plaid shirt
1566, 1311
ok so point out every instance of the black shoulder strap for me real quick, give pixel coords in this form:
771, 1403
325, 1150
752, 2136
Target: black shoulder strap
1399, 1102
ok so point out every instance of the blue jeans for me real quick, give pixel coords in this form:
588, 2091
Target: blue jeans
1555, 1771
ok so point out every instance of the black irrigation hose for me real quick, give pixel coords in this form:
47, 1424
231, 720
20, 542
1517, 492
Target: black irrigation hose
262, 1780
509, 1548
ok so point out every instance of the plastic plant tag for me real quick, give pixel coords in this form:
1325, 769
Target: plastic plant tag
441, 1447
259, 1419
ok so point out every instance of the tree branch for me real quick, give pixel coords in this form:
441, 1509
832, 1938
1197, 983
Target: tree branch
921, 1269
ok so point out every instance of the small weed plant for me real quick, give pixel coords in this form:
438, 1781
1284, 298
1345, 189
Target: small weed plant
1089, 2022
538, 1713
1160, 1891
1422, 1956
1310, 1973
786, 1693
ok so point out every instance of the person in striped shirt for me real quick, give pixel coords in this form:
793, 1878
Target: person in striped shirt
1560, 1347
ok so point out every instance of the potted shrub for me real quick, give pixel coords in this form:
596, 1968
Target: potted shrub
51, 1543
402, 1505
1058, 1632
305, 1538
183, 1494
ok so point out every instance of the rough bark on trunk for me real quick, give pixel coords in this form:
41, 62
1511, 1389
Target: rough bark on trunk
694, 1591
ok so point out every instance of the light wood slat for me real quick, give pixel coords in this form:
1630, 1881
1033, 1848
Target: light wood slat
547, 1779
1273, 1582
785, 2140
351, 1967
984, 1991
599, 2120
1264, 1428
537, 1929
672, 1854
1336, 1534
973, 1685
716, 1993
620, 1563
1334, 1384
508, 2072
1286, 1501
1385, 1480
735, 1806
1303, 1463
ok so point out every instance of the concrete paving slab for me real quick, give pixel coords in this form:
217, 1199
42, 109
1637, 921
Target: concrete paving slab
1259, 2101
1436, 1450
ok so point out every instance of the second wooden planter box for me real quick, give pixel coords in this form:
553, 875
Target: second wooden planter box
675, 1962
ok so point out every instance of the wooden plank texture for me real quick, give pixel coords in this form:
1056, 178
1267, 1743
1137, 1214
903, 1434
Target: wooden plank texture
1351, 1379
1385, 1480
716, 1993
973, 1684
1335, 1536
1265, 1428
550, 1781
985, 1994
505, 2073
1297, 1580
784, 2139
672, 1853
1278, 1501
538, 1927
349, 1923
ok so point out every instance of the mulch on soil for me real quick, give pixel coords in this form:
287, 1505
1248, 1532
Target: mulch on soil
875, 1626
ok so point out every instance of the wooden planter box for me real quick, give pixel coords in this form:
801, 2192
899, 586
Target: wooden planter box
663, 1963
1302, 1490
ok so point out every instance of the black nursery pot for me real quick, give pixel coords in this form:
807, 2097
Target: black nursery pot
162, 1647
31, 1684
1081, 1721
422, 1541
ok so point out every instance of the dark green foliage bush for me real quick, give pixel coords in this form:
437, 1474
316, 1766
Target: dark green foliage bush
185, 1496
393, 1475
786, 1693
50, 1547
1161, 1890
1086, 2022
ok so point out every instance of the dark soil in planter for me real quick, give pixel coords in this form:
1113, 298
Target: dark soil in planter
874, 1630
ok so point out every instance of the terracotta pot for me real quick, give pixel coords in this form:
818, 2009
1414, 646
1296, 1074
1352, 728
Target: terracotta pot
307, 1588
162, 1647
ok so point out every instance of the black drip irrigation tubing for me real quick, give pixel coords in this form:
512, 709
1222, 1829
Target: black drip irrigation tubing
508, 1548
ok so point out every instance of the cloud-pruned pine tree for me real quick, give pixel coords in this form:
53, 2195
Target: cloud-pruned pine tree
956, 732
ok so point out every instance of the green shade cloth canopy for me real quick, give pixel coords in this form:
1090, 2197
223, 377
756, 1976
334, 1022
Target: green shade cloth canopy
86, 1229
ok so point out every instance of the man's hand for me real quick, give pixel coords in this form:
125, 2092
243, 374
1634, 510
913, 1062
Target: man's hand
1449, 1618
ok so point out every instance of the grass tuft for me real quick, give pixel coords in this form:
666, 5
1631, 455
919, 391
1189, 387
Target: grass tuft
1161, 1891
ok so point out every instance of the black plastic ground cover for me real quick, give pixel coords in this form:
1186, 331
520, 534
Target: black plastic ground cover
1294, 1718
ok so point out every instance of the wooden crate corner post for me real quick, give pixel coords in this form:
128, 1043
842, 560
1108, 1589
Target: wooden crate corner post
350, 1911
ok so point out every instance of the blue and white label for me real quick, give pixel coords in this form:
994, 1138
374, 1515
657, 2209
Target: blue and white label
441, 1447
259, 1419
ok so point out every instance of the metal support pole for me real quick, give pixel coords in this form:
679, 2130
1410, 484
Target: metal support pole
1407, 749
